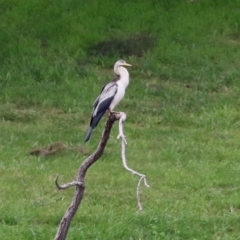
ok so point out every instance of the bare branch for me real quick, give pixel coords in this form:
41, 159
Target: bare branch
121, 135
80, 188
138, 194
124, 143
68, 185
80, 182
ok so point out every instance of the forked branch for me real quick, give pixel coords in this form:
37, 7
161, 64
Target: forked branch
80, 182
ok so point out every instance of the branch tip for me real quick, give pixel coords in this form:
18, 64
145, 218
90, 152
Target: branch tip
68, 185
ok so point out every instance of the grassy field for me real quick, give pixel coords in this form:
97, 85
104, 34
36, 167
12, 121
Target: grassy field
183, 125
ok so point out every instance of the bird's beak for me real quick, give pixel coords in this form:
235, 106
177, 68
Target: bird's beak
127, 64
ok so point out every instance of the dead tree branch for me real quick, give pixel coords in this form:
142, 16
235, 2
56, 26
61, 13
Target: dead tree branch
80, 182
124, 143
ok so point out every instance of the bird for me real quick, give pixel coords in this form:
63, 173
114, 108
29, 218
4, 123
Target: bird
111, 94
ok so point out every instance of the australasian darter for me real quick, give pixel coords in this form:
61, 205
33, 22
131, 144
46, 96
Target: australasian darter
111, 94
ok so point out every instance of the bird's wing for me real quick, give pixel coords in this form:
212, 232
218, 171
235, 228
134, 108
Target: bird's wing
96, 100
104, 88
104, 100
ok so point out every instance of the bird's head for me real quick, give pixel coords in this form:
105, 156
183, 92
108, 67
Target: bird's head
120, 63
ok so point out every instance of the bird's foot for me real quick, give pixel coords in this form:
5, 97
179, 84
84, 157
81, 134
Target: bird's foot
110, 113
113, 112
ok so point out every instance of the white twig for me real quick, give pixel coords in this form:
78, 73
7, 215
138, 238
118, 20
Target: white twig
122, 118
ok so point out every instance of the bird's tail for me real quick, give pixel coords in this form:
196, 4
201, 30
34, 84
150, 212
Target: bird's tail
89, 133
94, 122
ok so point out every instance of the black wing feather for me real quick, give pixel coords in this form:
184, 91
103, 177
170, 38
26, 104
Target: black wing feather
110, 83
101, 106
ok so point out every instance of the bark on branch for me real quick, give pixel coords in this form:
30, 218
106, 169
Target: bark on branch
68, 185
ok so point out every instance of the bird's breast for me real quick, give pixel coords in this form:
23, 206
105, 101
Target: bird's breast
118, 97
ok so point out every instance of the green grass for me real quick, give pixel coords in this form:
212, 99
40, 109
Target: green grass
182, 106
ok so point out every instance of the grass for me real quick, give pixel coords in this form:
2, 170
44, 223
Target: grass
182, 127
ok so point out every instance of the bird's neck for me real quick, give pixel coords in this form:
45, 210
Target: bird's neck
124, 76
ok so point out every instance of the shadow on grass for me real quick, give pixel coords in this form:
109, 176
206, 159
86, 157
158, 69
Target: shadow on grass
134, 45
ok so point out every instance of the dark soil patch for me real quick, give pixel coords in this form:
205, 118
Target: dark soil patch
135, 45
56, 147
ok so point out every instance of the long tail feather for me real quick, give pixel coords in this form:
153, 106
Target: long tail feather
96, 119
93, 124
89, 133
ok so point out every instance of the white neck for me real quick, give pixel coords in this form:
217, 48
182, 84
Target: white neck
124, 75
